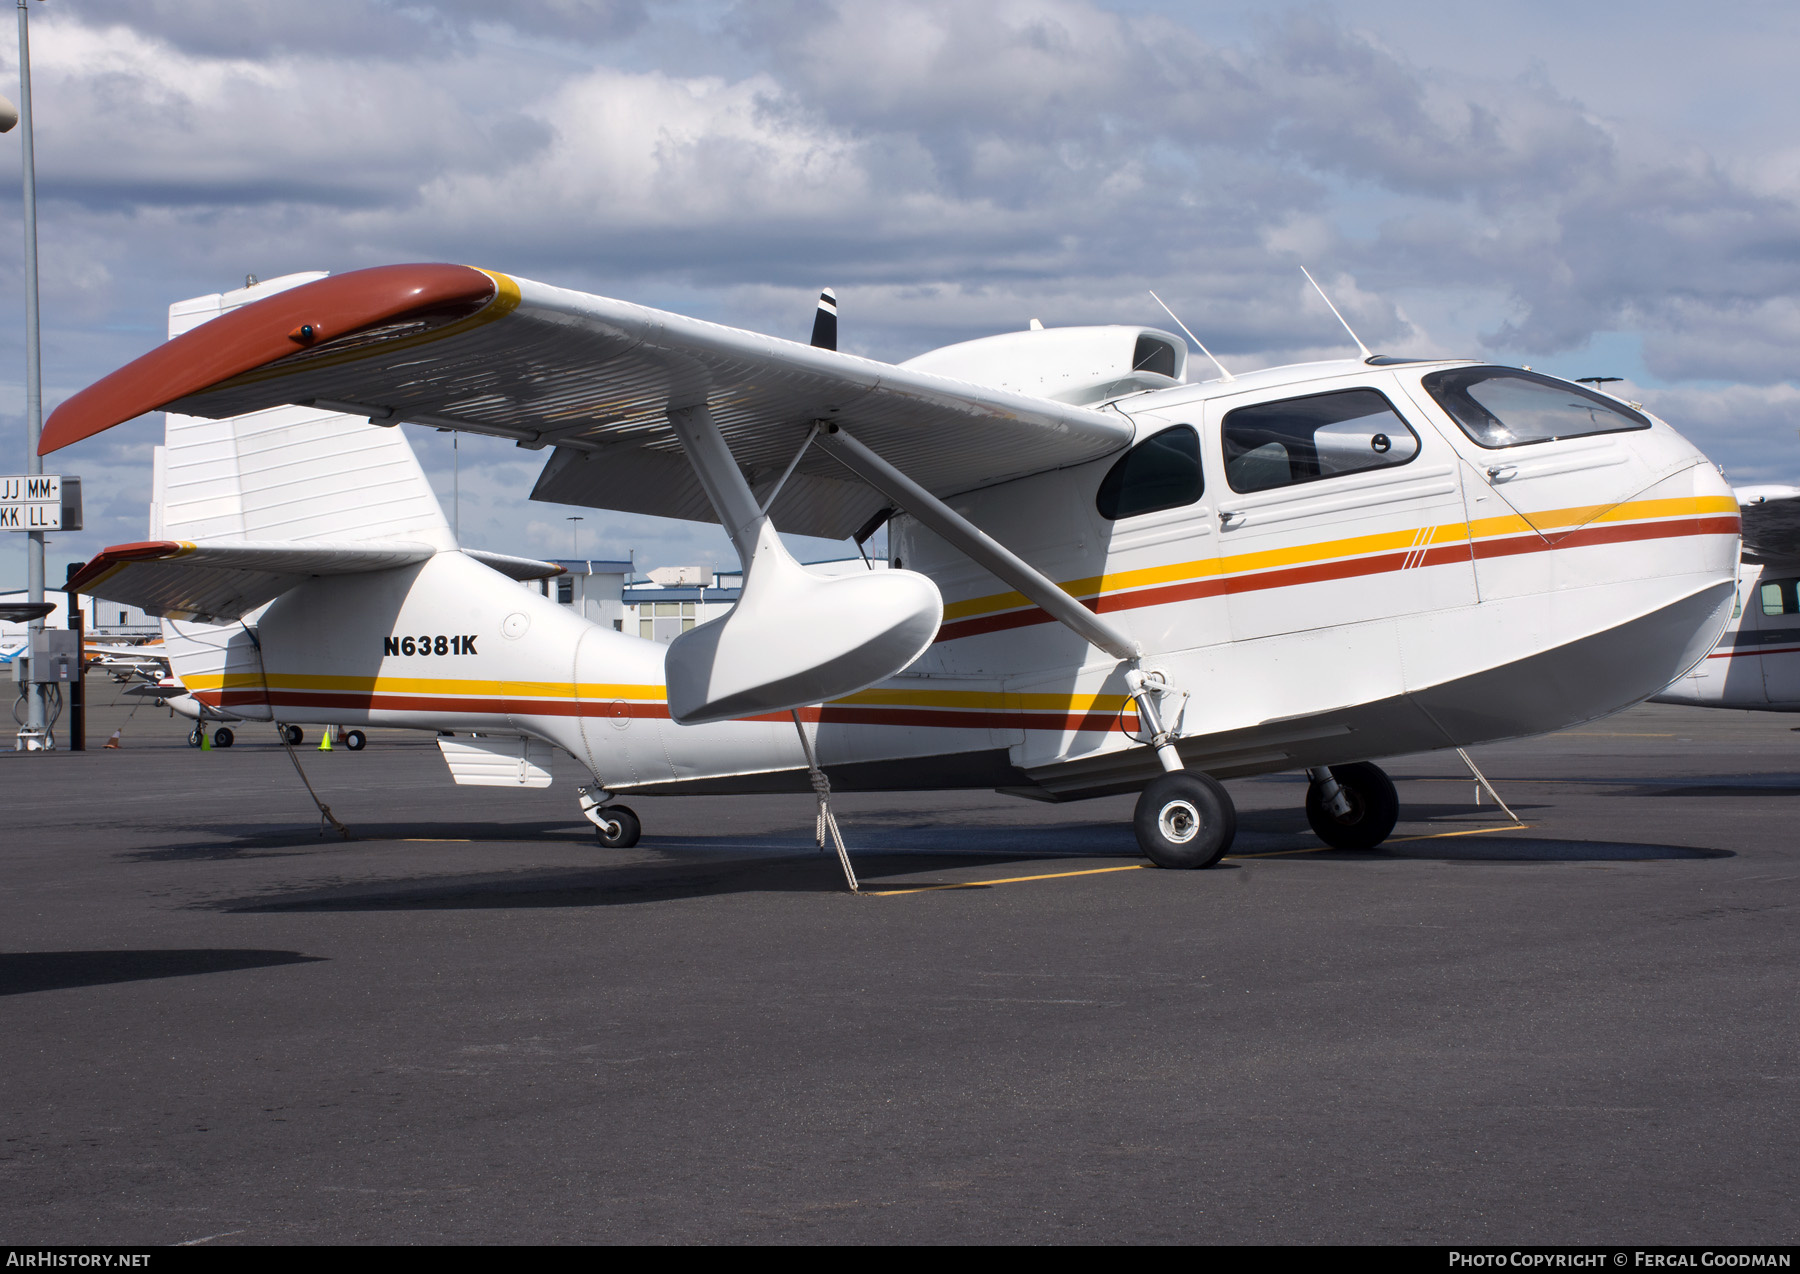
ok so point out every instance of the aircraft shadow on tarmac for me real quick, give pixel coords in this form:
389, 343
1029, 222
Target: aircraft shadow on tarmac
664, 871
22, 972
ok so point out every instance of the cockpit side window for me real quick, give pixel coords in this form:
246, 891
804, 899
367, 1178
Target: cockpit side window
1161, 472
1295, 440
1508, 407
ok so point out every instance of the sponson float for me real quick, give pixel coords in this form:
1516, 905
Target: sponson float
1105, 579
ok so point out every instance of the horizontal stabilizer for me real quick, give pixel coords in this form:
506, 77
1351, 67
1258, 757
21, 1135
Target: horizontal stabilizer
218, 583
519, 568
497, 761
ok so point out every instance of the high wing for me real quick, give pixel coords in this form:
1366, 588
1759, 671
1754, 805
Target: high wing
180, 579
476, 350
1771, 520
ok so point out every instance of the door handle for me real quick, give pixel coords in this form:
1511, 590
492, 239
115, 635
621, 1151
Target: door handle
1502, 472
1226, 519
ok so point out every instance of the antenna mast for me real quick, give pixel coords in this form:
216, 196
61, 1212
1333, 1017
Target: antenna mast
1334, 310
1195, 339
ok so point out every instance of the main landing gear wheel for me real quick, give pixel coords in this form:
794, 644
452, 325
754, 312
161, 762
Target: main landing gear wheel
1185, 819
355, 740
293, 734
196, 735
223, 737
1374, 807
618, 828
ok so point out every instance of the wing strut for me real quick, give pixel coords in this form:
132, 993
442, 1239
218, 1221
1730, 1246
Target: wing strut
978, 545
1147, 688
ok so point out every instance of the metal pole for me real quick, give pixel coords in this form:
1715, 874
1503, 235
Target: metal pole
76, 730
34, 389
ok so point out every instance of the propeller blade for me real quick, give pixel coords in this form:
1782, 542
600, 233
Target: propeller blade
825, 322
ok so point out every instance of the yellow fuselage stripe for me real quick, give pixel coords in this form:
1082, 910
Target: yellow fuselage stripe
1354, 546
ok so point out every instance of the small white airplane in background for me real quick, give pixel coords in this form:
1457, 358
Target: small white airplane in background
1757, 661
1105, 579
126, 663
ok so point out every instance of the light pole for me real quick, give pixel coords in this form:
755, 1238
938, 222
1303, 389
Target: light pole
34, 388
575, 536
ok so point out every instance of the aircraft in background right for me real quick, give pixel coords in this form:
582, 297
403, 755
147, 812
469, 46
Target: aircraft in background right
1757, 662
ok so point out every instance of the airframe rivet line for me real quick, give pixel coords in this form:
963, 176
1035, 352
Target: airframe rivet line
1010, 880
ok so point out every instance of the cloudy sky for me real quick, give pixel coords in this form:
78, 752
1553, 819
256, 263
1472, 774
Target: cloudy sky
1597, 189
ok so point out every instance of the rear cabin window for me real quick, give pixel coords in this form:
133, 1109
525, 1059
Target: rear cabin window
1778, 597
1295, 440
1161, 472
1506, 407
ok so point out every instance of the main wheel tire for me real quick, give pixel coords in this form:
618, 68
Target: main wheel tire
223, 737
294, 735
1185, 820
196, 735
619, 828
355, 740
1374, 807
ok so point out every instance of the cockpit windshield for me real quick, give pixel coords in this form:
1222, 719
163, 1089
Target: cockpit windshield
1507, 407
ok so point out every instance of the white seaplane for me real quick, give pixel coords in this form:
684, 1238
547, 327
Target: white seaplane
1756, 664
1104, 579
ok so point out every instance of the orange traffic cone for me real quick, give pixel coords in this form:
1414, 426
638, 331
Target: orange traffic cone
114, 741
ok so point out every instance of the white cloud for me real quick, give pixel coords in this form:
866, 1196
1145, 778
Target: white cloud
952, 169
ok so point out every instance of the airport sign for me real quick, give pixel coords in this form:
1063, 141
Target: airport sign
40, 502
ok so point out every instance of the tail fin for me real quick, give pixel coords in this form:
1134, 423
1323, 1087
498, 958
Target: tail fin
289, 473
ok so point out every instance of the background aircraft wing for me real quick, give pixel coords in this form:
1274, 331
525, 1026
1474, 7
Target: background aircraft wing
1771, 518
593, 378
220, 582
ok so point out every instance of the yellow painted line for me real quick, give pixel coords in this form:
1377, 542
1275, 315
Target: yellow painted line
987, 699
1473, 831
1356, 546
600, 692
1010, 880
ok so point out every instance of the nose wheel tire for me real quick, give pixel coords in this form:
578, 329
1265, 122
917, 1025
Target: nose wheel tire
293, 734
1184, 820
618, 828
1374, 807
355, 740
195, 735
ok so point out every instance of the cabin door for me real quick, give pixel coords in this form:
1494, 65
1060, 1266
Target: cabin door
1340, 505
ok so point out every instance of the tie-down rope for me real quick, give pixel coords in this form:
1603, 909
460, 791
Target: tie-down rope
821, 787
325, 814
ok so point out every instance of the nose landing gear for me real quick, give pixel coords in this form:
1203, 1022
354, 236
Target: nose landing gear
1360, 814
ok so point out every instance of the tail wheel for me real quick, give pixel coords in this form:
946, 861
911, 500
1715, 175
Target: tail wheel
223, 737
1374, 807
1185, 820
293, 734
618, 828
355, 740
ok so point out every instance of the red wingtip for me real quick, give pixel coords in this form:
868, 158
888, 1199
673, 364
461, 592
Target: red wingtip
261, 333
107, 558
